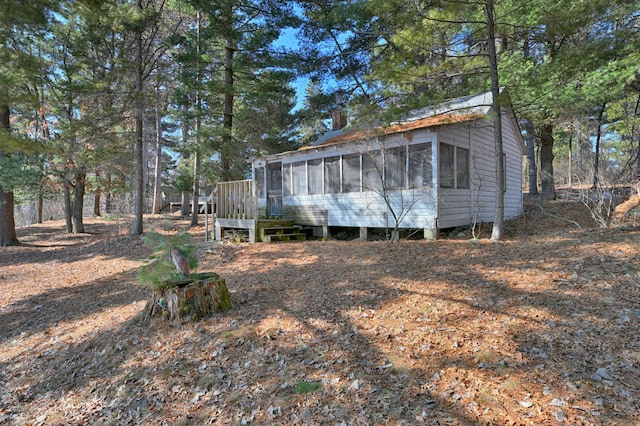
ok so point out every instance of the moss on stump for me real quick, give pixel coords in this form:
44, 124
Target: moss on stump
189, 300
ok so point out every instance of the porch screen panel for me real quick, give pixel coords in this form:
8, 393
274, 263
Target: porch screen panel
286, 179
299, 184
372, 171
260, 182
395, 167
314, 168
447, 166
351, 173
275, 176
420, 167
332, 175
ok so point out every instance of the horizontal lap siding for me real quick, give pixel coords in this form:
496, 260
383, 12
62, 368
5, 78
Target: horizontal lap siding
455, 205
513, 206
458, 207
484, 172
453, 208
362, 209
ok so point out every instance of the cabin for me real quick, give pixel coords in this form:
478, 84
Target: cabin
432, 170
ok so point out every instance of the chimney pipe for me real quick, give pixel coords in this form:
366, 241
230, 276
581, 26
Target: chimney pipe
338, 115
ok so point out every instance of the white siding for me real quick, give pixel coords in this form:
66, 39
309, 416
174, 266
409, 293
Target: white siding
368, 209
513, 198
458, 207
416, 208
420, 208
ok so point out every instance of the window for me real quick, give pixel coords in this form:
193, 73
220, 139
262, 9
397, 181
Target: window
286, 179
299, 178
462, 168
446, 163
395, 167
420, 170
332, 175
454, 167
314, 168
372, 171
351, 173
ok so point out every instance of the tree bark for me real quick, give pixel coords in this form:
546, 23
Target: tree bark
498, 220
96, 196
635, 114
66, 192
184, 203
596, 158
107, 194
138, 148
80, 178
8, 236
40, 206
530, 143
192, 299
546, 162
157, 183
227, 119
195, 193
196, 152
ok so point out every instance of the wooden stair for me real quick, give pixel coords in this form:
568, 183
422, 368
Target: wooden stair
279, 230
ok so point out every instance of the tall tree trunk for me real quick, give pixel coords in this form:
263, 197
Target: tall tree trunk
107, 193
96, 196
530, 143
66, 192
196, 189
184, 203
138, 151
635, 115
227, 120
571, 157
596, 158
40, 206
196, 154
157, 183
80, 177
8, 236
546, 162
498, 220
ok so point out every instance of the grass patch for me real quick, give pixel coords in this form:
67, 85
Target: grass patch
306, 387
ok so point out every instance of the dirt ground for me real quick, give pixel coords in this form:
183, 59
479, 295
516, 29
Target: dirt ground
539, 329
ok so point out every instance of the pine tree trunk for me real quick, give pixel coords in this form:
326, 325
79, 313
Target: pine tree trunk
96, 196
139, 141
8, 236
78, 200
546, 162
189, 300
530, 143
67, 206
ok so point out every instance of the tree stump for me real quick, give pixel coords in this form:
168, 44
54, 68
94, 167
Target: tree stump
189, 300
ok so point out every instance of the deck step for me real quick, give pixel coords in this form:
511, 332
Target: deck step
296, 236
280, 232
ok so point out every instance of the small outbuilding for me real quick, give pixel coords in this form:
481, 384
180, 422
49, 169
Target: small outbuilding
434, 169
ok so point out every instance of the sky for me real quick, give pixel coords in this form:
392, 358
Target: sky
288, 39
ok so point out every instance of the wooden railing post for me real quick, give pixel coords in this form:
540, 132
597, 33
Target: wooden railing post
237, 200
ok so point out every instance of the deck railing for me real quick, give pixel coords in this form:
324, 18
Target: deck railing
237, 200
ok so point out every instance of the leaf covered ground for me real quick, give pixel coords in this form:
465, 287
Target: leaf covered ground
541, 328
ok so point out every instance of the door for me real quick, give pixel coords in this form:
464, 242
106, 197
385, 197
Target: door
274, 189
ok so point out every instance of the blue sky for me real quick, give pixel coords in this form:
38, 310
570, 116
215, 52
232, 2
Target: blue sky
288, 38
